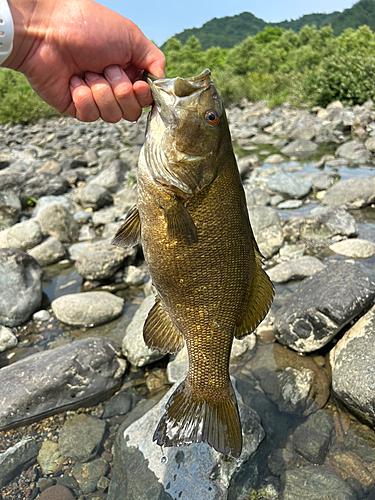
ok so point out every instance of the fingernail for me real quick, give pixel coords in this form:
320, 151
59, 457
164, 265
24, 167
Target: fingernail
91, 77
75, 81
143, 94
113, 73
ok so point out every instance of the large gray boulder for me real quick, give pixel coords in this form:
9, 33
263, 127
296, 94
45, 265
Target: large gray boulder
20, 287
70, 376
322, 305
355, 152
353, 193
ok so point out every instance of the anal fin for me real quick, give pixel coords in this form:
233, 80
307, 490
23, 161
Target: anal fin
159, 331
129, 233
261, 298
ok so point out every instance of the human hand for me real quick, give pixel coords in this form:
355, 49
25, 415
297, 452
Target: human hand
83, 59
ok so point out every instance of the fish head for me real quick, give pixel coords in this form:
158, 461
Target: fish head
187, 128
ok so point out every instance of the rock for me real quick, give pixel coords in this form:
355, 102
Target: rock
17, 458
77, 249
87, 309
134, 276
88, 474
267, 230
120, 404
355, 248
292, 251
353, 371
262, 139
281, 460
111, 177
257, 196
41, 315
289, 185
274, 159
50, 458
24, 235
10, 208
319, 309
313, 438
95, 196
86, 233
353, 193
296, 269
314, 483
101, 260
126, 197
133, 346
355, 152
69, 376
290, 204
7, 339
20, 287
84, 429
300, 148
55, 220
354, 471
191, 472
322, 180
48, 252
57, 492
48, 201
370, 144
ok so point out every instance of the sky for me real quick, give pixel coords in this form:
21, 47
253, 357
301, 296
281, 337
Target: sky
161, 19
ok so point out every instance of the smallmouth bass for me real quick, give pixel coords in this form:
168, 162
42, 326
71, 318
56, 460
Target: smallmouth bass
192, 219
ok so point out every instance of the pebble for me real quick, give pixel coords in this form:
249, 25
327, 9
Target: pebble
57, 492
7, 339
41, 315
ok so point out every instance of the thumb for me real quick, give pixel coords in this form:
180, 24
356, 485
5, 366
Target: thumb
146, 56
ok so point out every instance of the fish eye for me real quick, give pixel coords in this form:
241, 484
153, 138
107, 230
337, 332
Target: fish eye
212, 117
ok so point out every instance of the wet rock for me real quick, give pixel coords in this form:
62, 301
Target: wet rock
355, 248
300, 148
10, 208
257, 196
355, 152
281, 460
120, 404
290, 204
319, 309
57, 221
57, 492
48, 252
24, 235
16, 459
50, 458
101, 260
268, 232
133, 346
314, 483
90, 308
313, 438
48, 201
111, 177
88, 474
84, 429
195, 471
296, 269
322, 180
353, 193
353, 370
289, 185
20, 287
95, 196
68, 376
7, 339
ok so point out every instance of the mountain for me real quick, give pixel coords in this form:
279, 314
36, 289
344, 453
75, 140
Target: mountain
226, 32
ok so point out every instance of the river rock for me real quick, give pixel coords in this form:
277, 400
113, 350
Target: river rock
268, 232
48, 252
126, 197
313, 437
89, 308
57, 221
88, 474
353, 193
101, 260
7, 339
56, 492
24, 235
322, 180
190, 472
314, 483
300, 148
289, 186
70, 376
16, 459
20, 287
354, 248
111, 177
133, 345
296, 269
319, 309
10, 208
257, 196
355, 152
50, 458
48, 201
95, 196
353, 369
85, 429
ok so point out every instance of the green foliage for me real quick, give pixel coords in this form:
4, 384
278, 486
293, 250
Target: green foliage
18, 102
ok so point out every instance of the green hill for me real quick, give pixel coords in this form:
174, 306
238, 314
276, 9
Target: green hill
226, 32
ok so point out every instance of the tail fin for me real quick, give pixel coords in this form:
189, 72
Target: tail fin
190, 419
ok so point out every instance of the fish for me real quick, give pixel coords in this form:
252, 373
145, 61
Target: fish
192, 220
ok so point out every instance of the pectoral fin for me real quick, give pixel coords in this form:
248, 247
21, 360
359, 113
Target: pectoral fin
159, 331
260, 299
180, 225
129, 233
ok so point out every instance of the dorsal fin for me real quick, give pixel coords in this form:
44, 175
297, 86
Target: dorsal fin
129, 233
260, 299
